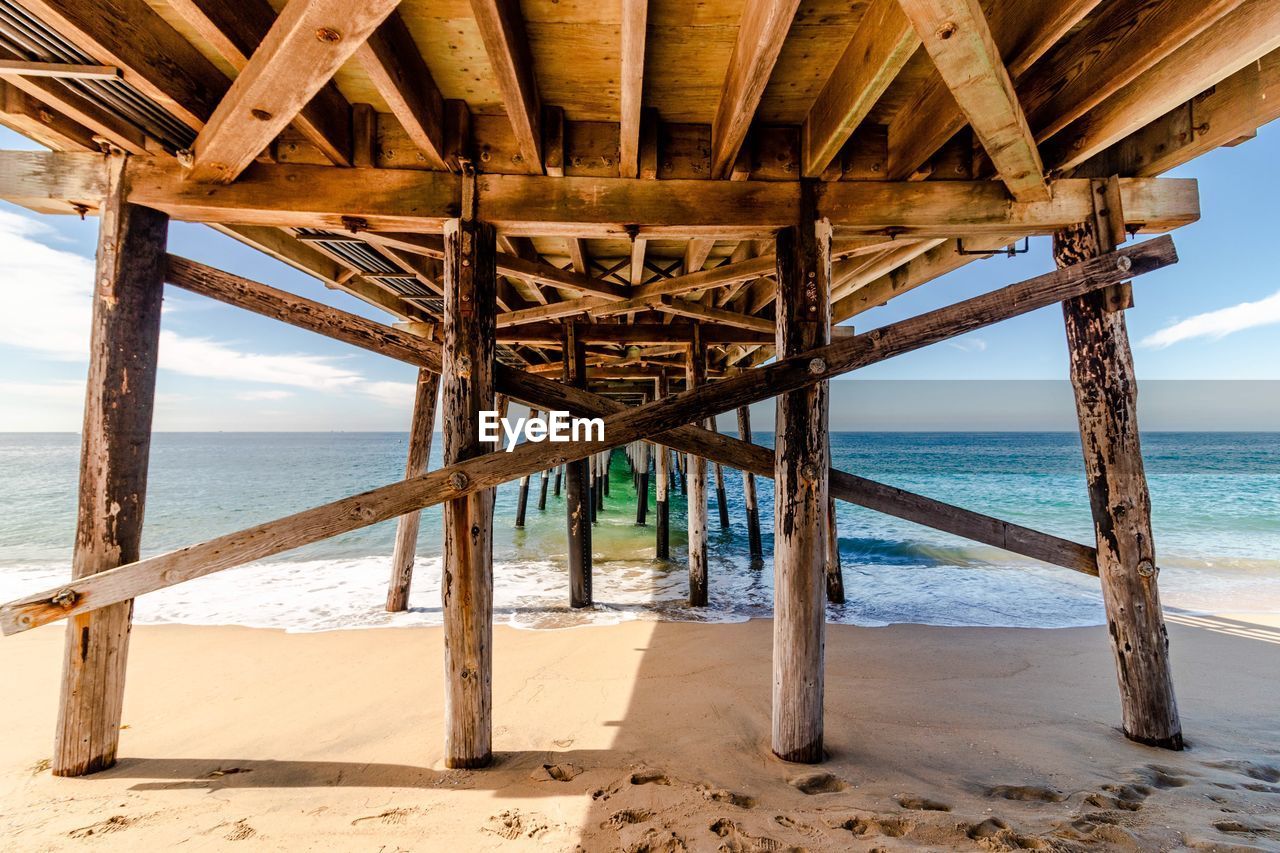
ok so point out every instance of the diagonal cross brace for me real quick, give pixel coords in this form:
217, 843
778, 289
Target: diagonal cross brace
654, 419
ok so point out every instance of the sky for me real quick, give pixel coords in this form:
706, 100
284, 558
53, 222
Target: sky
1213, 316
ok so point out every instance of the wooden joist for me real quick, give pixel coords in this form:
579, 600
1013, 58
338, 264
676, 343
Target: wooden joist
397, 70
956, 35
880, 47
398, 200
235, 30
650, 421
306, 44
27, 115
507, 45
59, 70
761, 31
635, 19
639, 334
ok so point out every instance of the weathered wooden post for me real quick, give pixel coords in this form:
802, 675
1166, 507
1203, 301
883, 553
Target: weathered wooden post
749, 489
542, 489
115, 443
522, 498
835, 574
800, 491
682, 467
577, 493
593, 488
420, 433
696, 476
559, 474
642, 477
721, 503
470, 306
606, 459
1106, 404
662, 473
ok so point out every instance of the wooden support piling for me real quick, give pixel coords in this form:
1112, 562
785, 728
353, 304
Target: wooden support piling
606, 460
721, 503
420, 434
696, 477
470, 306
641, 456
662, 474
559, 476
1102, 375
522, 497
115, 443
578, 501
835, 575
542, 489
756, 547
800, 494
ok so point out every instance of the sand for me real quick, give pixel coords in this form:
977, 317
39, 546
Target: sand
651, 736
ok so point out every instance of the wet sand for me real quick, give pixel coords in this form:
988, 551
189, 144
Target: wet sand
651, 736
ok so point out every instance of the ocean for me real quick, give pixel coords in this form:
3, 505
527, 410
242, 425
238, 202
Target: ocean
1216, 499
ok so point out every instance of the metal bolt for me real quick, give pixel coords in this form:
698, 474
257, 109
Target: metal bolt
809, 471
1146, 568
1123, 263
817, 366
64, 598
328, 35
947, 30
459, 480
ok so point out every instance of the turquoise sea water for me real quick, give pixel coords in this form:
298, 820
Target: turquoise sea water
1216, 503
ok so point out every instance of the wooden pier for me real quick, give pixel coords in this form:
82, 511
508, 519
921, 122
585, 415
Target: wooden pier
621, 212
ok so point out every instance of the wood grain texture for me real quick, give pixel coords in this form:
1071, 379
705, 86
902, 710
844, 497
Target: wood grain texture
958, 39
466, 585
834, 572
115, 443
622, 425
577, 495
306, 44
397, 70
502, 29
750, 503
421, 431
801, 463
635, 20
662, 484
695, 376
1106, 392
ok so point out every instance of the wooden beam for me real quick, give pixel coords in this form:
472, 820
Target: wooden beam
507, 45
577, 497
1099, 60
635, 18
235, 30
801, 463
698, 311
32, 118
696, 514
59, 70
879, 48
152, 55
1240, 38
1231, 109
640, 334
123, 351
306, 44
956, 35
761, 32
621, 427
421, 431
932, 117
467, 565
397, 70
1106, 388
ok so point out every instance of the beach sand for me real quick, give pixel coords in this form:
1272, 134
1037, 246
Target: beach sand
651, 736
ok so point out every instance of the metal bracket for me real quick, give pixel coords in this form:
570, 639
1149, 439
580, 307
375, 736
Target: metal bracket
1011, 250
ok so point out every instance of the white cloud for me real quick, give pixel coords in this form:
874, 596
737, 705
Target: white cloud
390, 393
214, 360
1218, 324
968, 344
261, 396
45, 296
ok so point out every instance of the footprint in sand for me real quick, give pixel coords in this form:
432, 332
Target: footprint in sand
921, 804
650, 777
818, 783
626, 817
511, 824
659, 841
869, 827
115, 823
240, 831
737, 841
556, 773
721, 795
390, 816
1155, 776
1252, 769
1027, 793
1124, 797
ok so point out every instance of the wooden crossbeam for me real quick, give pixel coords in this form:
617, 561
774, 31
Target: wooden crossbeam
235, 30
507, 45
1243, 36
397, 200
640, 334
879, 48
654, 420
59, 70
306, 44
397, 70
956, 35
635, 18
761, 31
31, 117
932, 117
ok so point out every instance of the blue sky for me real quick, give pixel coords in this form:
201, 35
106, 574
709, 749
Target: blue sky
1215, 315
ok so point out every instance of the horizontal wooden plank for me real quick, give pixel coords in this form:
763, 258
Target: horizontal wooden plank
60, 70
630, 333
648, 421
